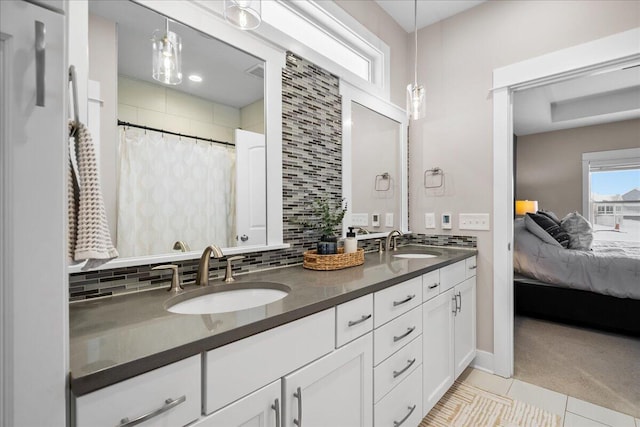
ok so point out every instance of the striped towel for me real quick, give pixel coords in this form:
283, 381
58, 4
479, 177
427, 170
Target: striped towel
88, 236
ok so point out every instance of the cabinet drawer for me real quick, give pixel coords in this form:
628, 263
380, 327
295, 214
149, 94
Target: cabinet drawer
430, 285
396, 334
396, 300
239, 368
470, 264
403, 405
452, 274
146, 394
354, 319
396, 368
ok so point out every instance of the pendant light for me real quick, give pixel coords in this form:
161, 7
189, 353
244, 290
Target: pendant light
244, 14
167, 60
415, 92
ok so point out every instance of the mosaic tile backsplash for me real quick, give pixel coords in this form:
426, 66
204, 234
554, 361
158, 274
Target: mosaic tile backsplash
311, 167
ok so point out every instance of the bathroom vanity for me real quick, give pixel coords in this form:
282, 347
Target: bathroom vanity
376, 344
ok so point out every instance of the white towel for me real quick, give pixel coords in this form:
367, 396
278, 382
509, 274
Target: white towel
88, 237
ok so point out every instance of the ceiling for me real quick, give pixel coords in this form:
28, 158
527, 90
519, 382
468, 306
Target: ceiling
584, 101
429, 12
223, 68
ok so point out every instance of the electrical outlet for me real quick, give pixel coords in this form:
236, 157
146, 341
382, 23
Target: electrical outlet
360, 219
430, 220
375, 220
446, 221
388, 220
474, 221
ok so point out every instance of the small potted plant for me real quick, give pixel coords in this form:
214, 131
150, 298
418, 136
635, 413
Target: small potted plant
325, 218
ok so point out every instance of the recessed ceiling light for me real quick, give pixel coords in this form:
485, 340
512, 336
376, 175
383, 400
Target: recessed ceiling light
195, 78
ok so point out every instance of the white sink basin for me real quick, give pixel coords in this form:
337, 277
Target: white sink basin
415, 256
228, 300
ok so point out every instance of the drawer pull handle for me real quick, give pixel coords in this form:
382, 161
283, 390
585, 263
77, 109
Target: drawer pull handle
459, 297
398, 423
168, 404
407, 299
276, 407
473, 267
357, 322
435, 285
41, 45
455, 304
409, 330
298, 395
410, 363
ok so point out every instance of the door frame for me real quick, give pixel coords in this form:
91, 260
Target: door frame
601, 55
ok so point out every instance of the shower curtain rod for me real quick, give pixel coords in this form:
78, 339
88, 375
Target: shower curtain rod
197, 138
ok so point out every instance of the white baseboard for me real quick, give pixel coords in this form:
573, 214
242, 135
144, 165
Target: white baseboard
483, 361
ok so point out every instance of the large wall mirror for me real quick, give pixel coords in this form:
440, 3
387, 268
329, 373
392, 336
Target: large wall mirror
374, 164
184, 165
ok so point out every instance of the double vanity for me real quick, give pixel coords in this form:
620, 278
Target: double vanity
373, 345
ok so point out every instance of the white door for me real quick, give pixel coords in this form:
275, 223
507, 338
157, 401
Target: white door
336, 390
437, 352
259, 409
465, 325
33, 282
251, 190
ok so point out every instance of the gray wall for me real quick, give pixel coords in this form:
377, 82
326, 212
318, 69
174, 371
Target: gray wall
550, 164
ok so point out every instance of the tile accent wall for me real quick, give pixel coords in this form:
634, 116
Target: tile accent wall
312, 167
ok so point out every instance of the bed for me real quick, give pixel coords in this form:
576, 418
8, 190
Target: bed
598, 288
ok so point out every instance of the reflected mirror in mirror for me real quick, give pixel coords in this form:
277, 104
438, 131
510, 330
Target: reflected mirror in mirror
375, 154
188, 168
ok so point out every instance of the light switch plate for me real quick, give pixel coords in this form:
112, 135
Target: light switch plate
388, 220
360, 219
430, 220
474, 221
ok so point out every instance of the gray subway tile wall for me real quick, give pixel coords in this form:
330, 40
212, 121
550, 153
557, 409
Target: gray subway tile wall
311, 168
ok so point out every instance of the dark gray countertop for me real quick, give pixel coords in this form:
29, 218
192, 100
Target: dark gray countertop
116, 338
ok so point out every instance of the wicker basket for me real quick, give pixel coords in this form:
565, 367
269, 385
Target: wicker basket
313, 261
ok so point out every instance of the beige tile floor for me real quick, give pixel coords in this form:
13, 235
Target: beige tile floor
574, 412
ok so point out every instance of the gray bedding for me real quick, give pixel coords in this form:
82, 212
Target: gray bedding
610, 268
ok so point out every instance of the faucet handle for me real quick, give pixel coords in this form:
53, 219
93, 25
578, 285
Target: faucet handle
394, 242
380, 247
176, 286
228, 275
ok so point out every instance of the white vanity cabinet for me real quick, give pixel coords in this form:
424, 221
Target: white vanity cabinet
165, 397
335, 390
449, 329
261, 408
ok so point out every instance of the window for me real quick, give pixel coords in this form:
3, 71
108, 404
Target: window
611, 194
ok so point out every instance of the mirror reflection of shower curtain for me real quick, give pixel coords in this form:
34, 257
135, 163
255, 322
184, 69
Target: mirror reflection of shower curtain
171, 189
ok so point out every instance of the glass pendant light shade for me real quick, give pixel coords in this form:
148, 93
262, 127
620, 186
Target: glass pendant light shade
244, 14
167, 56
415, 101
415, 92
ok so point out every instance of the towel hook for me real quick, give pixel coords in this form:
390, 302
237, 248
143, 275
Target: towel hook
74, 91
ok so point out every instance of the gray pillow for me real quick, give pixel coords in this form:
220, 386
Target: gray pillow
580, 231
537, 229
551, 215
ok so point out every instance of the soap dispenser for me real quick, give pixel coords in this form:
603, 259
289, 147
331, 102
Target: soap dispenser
350, 243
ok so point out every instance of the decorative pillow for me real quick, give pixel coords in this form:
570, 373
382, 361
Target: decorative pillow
580, 231
550, 215
546, 229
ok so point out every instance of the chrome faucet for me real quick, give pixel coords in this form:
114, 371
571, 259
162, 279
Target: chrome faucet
391, 238
202, 277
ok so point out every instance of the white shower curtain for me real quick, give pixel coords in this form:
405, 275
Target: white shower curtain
173, 188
